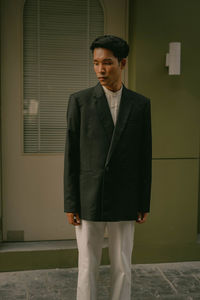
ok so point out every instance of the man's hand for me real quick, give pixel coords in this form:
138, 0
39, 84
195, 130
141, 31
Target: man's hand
141, 217
74, 219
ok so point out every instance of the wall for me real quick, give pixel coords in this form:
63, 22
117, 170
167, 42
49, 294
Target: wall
171, 231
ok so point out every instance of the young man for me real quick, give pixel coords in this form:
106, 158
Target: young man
107, 173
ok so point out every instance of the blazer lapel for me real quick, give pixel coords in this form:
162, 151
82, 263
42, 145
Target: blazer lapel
104, 111
113, 132
124, 110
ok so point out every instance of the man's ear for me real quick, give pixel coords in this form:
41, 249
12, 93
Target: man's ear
123, 63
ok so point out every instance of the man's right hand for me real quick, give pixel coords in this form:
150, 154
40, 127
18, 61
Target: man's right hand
74, 219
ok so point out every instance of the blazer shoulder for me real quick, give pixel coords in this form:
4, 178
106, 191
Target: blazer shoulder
83, 94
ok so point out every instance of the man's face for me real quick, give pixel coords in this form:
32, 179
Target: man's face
107, 68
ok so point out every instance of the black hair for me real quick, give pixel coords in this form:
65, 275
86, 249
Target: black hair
117, 45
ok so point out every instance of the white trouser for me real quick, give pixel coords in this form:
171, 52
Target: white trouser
90, 237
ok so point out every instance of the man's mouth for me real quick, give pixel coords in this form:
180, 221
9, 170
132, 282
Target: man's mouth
101, 78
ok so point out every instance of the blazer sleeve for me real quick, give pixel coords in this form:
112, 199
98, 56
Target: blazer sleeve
146, 161
72, 158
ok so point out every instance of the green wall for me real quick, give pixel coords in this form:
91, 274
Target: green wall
171, 231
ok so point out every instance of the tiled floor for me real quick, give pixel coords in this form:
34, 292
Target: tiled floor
177, 281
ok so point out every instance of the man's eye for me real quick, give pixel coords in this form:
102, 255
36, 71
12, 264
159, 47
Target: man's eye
108, 63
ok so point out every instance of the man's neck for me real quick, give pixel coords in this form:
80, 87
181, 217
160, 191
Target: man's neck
111, 92
114, 88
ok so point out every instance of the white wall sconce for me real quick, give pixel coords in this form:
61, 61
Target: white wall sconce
173, 58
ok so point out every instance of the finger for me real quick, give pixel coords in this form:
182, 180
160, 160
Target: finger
70, 217
76, 220
71, 220
140, 221
144, 218
141, 218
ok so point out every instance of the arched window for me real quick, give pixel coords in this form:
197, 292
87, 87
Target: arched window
57, 62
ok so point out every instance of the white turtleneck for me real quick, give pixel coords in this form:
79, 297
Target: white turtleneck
113, 99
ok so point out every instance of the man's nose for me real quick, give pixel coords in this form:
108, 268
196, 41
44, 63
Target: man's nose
101, 68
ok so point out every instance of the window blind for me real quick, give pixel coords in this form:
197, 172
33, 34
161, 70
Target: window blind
57, 62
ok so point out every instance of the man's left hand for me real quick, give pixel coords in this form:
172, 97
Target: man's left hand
141, 217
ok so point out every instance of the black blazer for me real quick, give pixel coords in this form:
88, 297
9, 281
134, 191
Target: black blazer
107, 169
